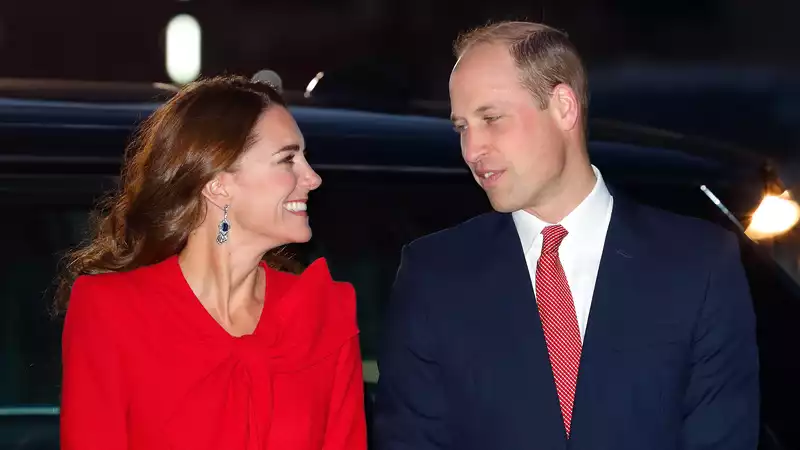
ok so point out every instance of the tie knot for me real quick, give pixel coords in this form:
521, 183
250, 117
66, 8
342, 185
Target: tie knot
552, 237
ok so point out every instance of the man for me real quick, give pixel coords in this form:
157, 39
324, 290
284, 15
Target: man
571, 317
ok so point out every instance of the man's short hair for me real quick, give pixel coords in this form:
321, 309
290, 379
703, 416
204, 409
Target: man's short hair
544, 56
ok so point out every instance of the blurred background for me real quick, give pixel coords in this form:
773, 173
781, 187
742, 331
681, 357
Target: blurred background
726, 68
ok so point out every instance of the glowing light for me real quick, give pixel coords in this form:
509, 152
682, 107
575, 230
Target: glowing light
183, 49
312, 84
775, 215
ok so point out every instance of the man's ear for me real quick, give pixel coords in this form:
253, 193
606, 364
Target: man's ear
565, 107
216, 193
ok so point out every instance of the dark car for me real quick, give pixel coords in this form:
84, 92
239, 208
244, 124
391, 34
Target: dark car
387, 180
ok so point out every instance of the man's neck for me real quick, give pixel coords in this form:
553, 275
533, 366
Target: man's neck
563, 198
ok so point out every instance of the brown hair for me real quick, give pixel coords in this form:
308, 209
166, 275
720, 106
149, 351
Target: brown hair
201, 131
544, 56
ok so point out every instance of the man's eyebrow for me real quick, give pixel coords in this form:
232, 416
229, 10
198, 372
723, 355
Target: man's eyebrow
479, 110
288, 148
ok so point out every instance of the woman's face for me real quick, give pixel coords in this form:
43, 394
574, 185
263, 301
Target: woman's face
270, 186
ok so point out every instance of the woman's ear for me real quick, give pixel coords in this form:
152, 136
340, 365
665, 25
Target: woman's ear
216, 193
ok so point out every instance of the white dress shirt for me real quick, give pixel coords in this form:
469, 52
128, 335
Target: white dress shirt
581, 249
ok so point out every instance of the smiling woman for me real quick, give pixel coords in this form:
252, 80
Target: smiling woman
202, 132
177, 334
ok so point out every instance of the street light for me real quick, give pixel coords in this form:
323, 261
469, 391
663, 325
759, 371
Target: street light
776, 215
183, 49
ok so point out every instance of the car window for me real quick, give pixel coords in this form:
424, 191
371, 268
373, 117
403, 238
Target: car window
32, 240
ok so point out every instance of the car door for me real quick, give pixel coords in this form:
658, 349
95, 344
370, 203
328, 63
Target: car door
43, 216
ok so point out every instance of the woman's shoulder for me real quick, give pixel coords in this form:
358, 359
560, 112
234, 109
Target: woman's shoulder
95, 295
316, 277
315, 314
314, 291
120, 280
109, 286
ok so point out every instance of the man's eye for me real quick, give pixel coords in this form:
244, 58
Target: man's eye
490, 119
459, 128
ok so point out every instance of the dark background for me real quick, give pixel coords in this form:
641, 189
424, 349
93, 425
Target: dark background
110, 40
724, 69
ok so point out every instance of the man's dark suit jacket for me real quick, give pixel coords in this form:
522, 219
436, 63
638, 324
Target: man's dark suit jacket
669, 358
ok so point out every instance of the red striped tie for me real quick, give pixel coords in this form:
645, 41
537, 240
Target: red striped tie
559, 322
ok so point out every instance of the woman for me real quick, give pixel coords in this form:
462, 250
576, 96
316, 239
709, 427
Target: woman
177, 335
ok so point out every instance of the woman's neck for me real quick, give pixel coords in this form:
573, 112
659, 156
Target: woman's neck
227, 281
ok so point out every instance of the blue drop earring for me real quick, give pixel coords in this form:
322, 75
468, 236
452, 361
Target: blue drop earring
224, 227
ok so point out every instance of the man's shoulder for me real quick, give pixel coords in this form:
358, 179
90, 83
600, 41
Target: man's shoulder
684, 231
460, 236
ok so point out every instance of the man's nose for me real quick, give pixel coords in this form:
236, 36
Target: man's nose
474, 146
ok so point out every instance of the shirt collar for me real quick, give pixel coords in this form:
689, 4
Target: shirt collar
580, 221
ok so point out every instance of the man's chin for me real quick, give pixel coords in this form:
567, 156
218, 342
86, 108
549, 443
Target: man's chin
502, 205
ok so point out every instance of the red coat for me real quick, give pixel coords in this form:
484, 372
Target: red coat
147, 368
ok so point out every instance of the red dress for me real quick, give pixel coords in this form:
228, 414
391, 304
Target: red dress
147, 368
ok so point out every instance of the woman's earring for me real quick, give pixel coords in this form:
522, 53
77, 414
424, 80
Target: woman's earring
224, 227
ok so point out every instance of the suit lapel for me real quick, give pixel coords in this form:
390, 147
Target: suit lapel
623, 256
511, 285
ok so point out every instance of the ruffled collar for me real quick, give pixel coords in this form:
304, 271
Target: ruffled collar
309, 318
299, 310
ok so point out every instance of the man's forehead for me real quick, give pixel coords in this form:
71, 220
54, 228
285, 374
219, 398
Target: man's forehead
484, 81
483, 53
483, 70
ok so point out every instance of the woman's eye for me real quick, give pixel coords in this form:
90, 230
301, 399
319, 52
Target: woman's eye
288, 160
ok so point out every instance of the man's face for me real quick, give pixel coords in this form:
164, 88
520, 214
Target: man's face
515, 150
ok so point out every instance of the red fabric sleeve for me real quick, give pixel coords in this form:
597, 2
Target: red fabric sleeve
346, 429
93, 404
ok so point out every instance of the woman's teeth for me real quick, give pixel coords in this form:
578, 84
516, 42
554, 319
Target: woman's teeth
295, 206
